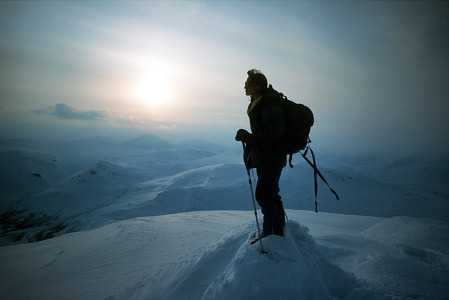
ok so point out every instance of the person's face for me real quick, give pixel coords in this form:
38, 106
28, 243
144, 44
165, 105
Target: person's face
251, 89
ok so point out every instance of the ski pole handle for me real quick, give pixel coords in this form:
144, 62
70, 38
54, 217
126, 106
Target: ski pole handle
244, 158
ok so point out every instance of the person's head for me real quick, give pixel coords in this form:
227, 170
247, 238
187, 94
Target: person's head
256, 84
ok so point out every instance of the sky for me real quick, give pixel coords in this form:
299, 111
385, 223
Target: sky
375, 74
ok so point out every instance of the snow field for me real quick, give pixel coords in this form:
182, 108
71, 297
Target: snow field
154, 221
207, 255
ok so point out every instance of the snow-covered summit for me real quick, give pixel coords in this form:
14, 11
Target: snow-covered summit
208, 255
232, 268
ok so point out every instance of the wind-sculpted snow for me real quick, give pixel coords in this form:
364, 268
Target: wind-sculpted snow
232, 268
293, 268
420, 247
207, 255
407, 256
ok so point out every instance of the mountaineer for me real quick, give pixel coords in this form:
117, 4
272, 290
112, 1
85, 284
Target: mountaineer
263, 150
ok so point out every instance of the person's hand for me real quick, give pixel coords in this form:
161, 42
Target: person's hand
242, 136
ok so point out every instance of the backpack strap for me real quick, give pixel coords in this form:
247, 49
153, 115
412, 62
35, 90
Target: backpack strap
290, 157
315, 173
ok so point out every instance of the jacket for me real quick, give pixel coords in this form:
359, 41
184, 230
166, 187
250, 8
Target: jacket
267, 122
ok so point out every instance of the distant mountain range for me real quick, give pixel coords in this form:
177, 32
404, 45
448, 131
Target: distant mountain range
50, 189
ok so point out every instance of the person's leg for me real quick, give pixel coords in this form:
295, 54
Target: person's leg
278, 227
269, 210
278, 201
263, 191
266, 192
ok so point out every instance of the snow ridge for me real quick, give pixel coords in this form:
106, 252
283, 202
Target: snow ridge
232, 268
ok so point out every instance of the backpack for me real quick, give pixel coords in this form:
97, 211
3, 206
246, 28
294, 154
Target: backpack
298, 121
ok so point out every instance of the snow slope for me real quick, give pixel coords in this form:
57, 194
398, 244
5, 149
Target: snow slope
25, 172
147, 220
207, 255
380, 186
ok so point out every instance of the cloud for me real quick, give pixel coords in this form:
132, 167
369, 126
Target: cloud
64, 111
168, 127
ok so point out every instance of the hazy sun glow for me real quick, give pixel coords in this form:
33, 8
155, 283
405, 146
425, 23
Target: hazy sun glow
154, 88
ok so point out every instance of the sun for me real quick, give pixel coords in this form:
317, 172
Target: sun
154, 88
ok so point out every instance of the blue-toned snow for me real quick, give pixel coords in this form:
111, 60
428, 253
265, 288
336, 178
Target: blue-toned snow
149, 220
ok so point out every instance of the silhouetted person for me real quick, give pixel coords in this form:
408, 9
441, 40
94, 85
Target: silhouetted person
263, 150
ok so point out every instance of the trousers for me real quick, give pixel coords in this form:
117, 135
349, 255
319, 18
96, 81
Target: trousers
267, 191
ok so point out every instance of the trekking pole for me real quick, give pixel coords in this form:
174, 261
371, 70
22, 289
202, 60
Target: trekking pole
254, 202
